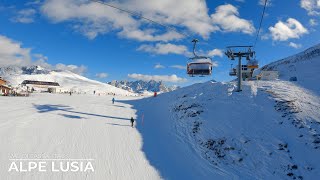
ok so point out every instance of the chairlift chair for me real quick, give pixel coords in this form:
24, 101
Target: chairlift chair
199, 65
233, 72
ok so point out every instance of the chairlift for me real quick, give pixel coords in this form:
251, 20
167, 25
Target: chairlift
199, 65
233, 71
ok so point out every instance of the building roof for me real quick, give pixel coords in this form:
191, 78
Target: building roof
4, 86
40, 83
2, 79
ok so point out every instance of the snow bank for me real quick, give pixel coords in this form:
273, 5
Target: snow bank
269, 131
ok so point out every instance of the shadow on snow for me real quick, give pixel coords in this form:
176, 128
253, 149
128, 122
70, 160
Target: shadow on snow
50, 108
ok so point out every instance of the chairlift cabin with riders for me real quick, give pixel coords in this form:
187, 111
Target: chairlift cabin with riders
199, 65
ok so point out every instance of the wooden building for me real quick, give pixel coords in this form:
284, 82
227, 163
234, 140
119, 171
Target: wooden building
4, 88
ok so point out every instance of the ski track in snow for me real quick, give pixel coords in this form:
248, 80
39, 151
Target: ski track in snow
77, 126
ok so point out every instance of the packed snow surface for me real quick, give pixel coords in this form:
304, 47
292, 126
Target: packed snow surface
72, 127
271, 130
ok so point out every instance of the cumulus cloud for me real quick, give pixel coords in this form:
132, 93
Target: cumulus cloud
291, 29
159, 66
312, 6
12, 53
190, 16
178, 67
294, 45
228, 20
101, 75
165, 78
92, 19
215, 52
73, 68
25, 16
165, 48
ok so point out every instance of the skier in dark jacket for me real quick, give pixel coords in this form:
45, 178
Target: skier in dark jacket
132, 121
113, 100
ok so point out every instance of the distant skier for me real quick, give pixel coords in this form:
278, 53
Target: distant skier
94, 92
132, 121
70, 93
113, 100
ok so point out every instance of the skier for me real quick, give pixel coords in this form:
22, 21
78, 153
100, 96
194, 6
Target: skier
70, 93
113, 100
132, 121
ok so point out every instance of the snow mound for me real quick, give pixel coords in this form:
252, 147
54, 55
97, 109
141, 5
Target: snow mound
304, 68
271, 130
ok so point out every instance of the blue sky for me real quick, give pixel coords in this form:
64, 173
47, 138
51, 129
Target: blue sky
104, 44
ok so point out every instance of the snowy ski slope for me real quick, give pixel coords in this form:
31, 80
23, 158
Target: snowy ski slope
78, 126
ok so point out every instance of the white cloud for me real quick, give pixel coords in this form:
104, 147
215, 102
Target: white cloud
312, 6
92, 18
35, 2
215, 52
215, 64
190, 16
25, 16
72, 68
227, 18
159, 66
101, 75
283, 31
294, 45
168, 48
313, 22
165, 78
178, 67
12, 53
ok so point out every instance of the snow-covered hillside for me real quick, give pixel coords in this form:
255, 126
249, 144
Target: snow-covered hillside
271, 130
304, 66
68, 81
143, 86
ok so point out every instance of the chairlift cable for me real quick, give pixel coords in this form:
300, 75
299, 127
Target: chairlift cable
142, 17
262, 16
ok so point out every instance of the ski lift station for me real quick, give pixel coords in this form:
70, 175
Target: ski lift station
246, 70
40, 86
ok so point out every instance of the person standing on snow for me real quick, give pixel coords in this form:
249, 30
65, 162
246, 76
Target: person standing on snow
113, 100
132, 121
